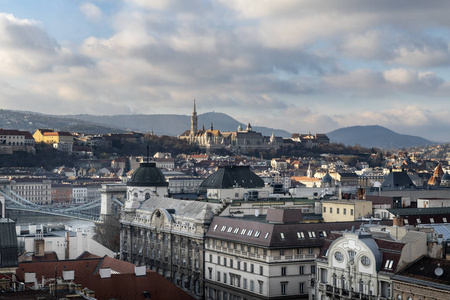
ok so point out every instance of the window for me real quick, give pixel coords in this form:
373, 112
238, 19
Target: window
282, 252
236, 230
252, 268
218, 260
229, 229
345, 211
313, 269
224, 261
224, 278
243, 231
301, 270
365, 261
300, 235
431, 220
267, 235
215, 227
282, 235
260, 286
299, 251
283, 271
245, 266
324, 209
210, 273
252, 285
351, 255
210, 258
238, 265
418, 221
257, 233
443, 220
231, 263
310, 250
338, 256
261, 270
218, 276
249, 233
351, 212
301, 288
283, 288
245, 283
331, 210
337, 210
223, 228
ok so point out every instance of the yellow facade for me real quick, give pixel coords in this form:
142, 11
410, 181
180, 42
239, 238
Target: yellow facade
345, 210
50, 137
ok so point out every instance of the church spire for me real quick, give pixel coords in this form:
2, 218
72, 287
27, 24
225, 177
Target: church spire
194, 121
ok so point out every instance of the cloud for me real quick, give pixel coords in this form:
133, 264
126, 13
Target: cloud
91, 11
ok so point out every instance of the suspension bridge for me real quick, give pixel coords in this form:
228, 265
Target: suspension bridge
89, 211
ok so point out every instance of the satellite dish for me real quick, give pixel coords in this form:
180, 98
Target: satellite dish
438, 271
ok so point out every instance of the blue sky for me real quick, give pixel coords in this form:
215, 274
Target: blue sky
302, 66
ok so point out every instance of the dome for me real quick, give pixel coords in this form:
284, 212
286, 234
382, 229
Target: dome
232, 176
327, 178
446, 177
148, 175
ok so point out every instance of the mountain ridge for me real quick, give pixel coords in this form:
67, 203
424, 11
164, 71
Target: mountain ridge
375, 136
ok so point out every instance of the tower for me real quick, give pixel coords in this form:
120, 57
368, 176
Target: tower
194, 122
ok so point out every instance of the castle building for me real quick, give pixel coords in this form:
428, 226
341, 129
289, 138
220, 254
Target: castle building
162, 233
241, 140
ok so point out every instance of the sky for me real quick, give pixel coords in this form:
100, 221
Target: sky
302, 66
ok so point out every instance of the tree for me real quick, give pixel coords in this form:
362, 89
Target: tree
108, 233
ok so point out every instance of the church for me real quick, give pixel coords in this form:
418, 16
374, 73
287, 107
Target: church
241, 140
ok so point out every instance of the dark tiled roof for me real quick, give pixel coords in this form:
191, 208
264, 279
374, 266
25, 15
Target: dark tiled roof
8, 243
420, 211
230, 176
398, 179
274, 235
424, 270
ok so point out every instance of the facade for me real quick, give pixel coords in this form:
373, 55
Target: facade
268, 256
61, 193
180, 185
356, 265
164, 234
345, 210
79, 194
52, 137
36, 190
12, 140
311, 140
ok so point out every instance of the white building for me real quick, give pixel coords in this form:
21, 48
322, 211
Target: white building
358, 265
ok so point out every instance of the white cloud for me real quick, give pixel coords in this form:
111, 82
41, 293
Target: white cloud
91, 11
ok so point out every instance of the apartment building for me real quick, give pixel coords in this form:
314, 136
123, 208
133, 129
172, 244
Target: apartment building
36, 190
268, 256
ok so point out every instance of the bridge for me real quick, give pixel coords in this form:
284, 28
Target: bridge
88, 211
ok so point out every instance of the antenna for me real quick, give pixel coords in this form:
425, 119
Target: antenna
148, 152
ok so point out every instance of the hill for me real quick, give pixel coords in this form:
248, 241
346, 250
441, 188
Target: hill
375, 136
173, 125
30, 121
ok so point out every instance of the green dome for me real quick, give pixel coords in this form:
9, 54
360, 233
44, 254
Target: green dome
148, 175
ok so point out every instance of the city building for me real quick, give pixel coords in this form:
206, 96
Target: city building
161, 233
264, 256
345, 210
427, 278
61, 193
36, 190
235, 182
358, 265
49, 136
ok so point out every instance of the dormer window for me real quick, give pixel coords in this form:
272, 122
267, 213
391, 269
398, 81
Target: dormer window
215, 227
282, 235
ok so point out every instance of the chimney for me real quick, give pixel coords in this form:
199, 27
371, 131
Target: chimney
105, 273
397, 221
139, 271
67, 252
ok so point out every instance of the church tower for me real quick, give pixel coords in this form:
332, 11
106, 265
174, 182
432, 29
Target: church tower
194, 122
